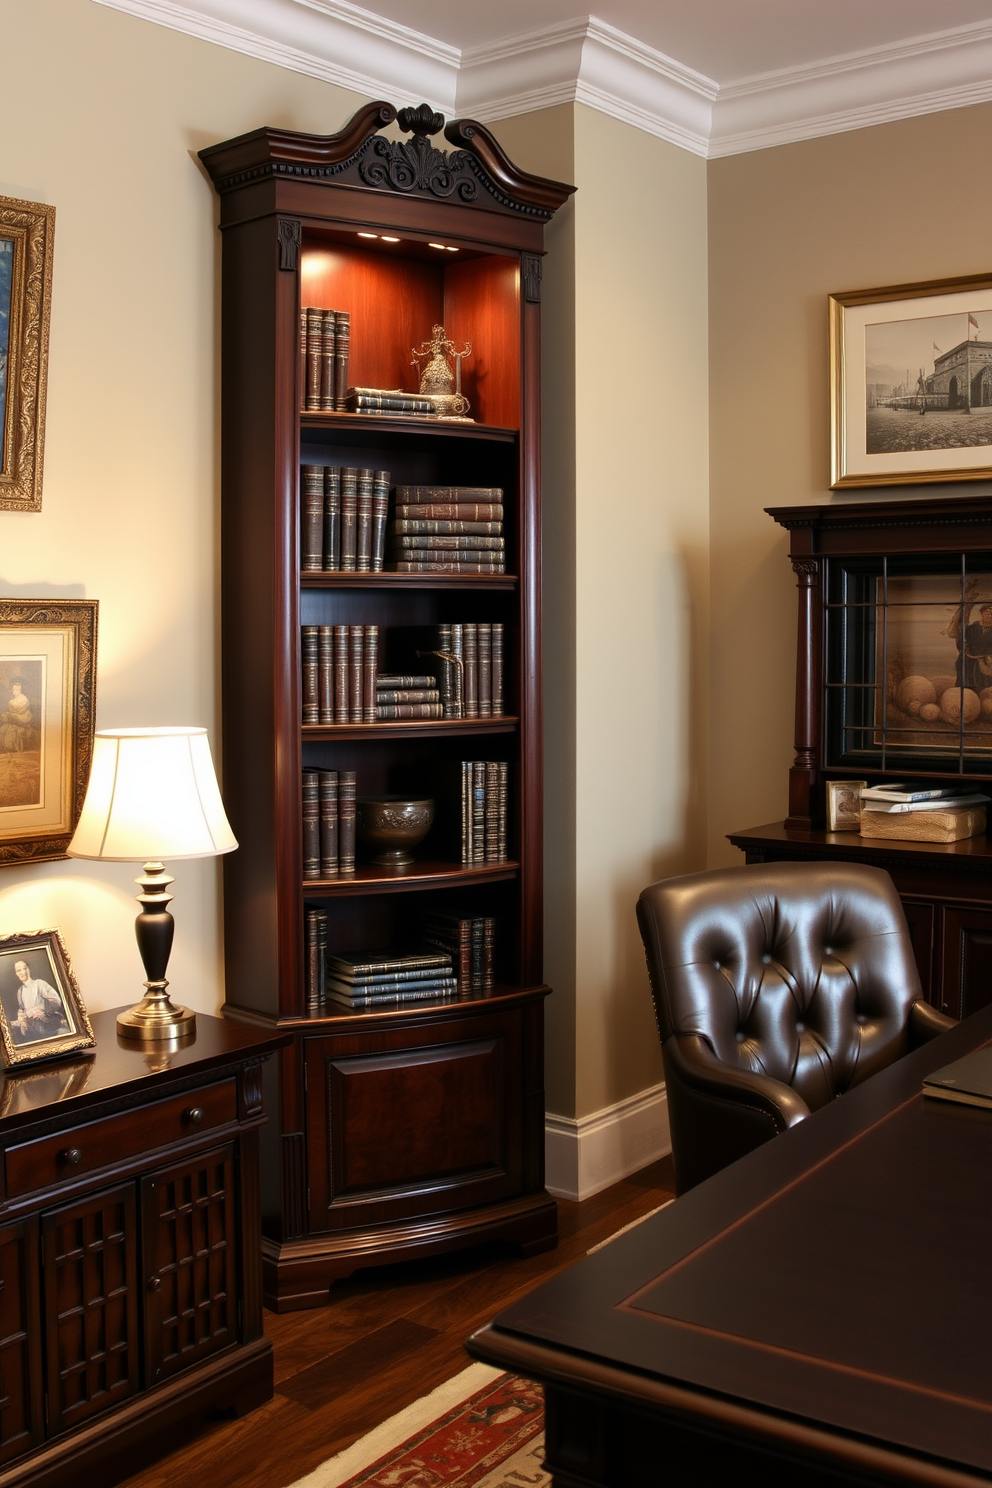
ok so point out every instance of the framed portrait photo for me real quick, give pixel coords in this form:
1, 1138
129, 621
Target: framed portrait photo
27, 235
844, 805
47, 700
911, 383
41, 1011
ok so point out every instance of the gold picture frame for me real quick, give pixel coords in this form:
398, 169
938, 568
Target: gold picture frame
27, 239
844, 805
42, 1014
47, 710
911, 383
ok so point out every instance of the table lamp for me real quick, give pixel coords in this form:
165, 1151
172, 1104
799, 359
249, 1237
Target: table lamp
152, 795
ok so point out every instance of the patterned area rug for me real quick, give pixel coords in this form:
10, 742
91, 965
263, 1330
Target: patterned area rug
482, 1429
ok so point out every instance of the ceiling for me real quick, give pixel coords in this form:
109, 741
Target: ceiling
723, 39
716, 77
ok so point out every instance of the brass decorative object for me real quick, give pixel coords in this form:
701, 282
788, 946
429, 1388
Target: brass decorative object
437, 381
394, 825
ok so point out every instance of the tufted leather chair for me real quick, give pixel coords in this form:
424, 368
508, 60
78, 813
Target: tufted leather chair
777, 986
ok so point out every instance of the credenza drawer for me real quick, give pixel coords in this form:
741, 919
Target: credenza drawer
98, 1144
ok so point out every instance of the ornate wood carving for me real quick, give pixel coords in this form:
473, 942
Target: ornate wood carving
30, 227
477, 172
290, 238
531, 266
251, 1089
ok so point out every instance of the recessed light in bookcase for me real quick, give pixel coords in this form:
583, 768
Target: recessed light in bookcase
443, 247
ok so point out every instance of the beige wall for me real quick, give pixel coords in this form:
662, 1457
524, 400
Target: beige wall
102, 114
889, 205
625, 565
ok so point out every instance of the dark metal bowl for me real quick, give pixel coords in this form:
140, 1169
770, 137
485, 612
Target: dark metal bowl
391, 826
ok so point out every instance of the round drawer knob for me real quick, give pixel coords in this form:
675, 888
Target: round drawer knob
193, 1116
155, 1283
71, 1157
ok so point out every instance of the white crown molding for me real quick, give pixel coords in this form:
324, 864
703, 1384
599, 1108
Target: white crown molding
587, 61
331, 40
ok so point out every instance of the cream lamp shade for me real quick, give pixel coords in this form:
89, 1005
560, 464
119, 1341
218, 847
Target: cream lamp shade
152, 795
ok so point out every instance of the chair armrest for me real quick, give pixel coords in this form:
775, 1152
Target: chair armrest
926, 1023
705, 1074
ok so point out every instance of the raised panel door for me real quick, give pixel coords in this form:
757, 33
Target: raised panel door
91, 1311
189, 1261
21, 1413
966, 982
920, 918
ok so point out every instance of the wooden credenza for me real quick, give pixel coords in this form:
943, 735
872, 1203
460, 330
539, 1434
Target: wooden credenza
946, 891
130, 1251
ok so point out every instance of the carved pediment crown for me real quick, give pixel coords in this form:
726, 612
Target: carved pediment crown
477, 171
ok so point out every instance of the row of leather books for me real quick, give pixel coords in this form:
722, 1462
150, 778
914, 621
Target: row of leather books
483, 800
328, 823
471, 941
344, 511
340, 667
447, 529
468, 659
325, 340
369, 980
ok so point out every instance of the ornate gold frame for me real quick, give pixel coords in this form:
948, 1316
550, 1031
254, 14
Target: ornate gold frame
841, 473
31, 228
51, 942
79, 618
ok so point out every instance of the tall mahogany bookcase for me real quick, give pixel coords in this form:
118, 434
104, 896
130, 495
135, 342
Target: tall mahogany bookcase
419, 1129
880, 584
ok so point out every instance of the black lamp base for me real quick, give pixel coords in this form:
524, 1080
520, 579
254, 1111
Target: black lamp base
155, 1017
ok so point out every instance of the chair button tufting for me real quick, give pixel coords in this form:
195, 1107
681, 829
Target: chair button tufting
716, 965
766, 959
800, 1027
741, 1035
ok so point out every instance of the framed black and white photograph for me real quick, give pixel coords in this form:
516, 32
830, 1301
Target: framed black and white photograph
27, 236
911, 383
42, 1015
844, 805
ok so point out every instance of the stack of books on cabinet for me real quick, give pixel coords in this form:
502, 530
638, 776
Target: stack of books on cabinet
456, 958
447, 529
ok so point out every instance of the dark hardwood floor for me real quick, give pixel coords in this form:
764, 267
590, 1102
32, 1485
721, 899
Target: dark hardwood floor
388, 1336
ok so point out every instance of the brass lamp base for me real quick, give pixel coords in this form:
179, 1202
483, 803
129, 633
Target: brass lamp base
155, 1016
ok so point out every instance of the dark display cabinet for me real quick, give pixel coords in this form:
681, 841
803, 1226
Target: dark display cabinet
418, 1128
894, 683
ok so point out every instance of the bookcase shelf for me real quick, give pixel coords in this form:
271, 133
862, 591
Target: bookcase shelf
422, 874
359, 1165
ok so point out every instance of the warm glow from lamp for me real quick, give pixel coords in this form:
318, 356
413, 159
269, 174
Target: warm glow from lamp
152, 795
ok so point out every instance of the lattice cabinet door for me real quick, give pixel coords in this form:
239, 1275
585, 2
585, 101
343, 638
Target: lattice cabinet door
21, 1412
91, 1308
189, 1225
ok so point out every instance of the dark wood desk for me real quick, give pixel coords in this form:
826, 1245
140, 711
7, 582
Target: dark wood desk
130, 1250
820, 1312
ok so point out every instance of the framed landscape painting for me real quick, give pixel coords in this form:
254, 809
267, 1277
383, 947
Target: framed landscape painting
911, 383
27, 232
47, 696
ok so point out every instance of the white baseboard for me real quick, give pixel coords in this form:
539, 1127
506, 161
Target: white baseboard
585, 1155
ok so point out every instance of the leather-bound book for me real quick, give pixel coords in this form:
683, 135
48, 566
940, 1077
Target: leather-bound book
346, 821
363, 525
302, 370
356, 966
488, 952
414, 527
332, 517
453, 563
349, 517
311, 824
380, 513
328, 348
432, 495
458, 671
384, 400
455, 935
387, 680
447, 671
492, 811
466, 814
444, 542
312, 513
356, 669
370, 666
309, 650
470, 670
315, 348
315, 946
478, 811
341, 360
390, 696
504, 796
342, 666
395, 712
451, 511
325, 674
328, 823
484, 649
497, 668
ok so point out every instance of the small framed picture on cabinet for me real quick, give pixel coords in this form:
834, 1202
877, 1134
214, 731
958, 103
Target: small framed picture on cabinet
844, 805
42, 1015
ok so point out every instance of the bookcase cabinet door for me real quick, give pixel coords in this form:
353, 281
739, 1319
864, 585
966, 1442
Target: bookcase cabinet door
189, 1262
413, 1121
967, 955
21, 1412
91, 1307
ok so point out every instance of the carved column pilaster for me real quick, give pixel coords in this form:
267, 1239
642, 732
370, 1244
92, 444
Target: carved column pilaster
804, 773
